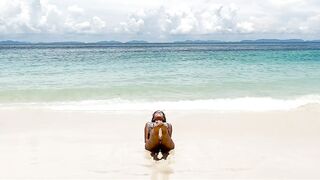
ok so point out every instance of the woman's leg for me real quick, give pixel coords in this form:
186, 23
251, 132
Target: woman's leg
166, 142
153, 143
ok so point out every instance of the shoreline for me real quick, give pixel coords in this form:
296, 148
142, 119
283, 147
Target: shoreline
239, 104
53, 144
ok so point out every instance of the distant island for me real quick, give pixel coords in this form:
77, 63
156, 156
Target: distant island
108, 42
8, 42
137, 42
198, 41
12, 42
273, 40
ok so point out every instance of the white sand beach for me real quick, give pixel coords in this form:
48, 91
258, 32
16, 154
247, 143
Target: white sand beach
51, 144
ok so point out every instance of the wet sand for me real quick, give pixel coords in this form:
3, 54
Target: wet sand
51, 144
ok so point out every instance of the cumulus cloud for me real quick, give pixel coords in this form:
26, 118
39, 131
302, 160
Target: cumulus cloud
243, 17
75, 9
40, 16
212, 19
160, 20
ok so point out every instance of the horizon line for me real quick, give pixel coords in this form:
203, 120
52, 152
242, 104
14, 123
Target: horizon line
266, 40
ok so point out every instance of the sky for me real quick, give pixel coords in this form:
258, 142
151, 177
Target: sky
158, 20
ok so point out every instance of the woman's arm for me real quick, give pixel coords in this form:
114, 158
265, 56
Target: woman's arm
170, 129
146, 133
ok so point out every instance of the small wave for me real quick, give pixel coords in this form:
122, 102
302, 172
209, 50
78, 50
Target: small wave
232, 104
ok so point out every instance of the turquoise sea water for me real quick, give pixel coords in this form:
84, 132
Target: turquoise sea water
158, 72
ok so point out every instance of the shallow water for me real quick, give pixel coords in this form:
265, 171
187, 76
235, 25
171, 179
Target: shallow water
158, 72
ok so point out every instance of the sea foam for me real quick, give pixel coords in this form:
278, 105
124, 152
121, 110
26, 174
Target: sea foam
229, 104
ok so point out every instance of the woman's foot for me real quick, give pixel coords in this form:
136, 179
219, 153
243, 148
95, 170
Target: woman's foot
165, 155
155, 156
164, 129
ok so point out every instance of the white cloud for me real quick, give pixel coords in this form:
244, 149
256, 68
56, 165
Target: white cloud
160, 19
40, 16
132, 25
75, 9
211, 19
98, 23
312, 24
245, 27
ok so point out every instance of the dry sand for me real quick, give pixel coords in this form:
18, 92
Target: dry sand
48, 144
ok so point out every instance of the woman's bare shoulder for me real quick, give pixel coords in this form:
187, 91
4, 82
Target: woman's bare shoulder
149, 124
168, 124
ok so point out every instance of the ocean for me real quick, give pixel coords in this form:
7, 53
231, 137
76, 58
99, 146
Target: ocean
221, 76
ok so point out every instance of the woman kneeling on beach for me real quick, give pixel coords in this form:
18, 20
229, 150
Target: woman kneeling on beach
157, 136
